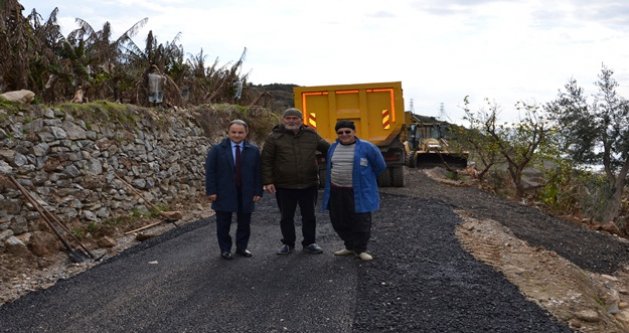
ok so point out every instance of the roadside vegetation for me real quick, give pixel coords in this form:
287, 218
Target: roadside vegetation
580, 144
89, 64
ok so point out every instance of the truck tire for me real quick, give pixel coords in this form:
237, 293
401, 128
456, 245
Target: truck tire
384, 178
397, 176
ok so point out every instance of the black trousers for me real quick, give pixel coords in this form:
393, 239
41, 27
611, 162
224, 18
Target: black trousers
287, 201
353, 228
243, 229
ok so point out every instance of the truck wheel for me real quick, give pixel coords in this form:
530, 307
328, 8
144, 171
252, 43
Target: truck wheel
384, 178
397, 176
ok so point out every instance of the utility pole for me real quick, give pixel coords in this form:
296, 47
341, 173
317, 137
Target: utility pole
443, 116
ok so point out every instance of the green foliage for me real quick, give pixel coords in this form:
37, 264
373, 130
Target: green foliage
139, 213
570, 191
93, 227
229, 108
103, 112
156, 210
516, 144
10, 107
275, 97
557, 193
116, 221
78, 232
519, 143
452, 175
595, 197
214, 120
484, 151
27, 119
499, 182
596, 133
38, 56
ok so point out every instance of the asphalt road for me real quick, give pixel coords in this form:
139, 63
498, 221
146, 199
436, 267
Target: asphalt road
420, 281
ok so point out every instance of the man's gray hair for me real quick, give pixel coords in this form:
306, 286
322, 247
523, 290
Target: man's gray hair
238, 122
292, 112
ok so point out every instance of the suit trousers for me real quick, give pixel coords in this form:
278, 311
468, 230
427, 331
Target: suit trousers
243, 229
287, 201
353, 228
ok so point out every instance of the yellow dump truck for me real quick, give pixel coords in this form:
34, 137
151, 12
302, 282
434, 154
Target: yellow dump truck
377, 110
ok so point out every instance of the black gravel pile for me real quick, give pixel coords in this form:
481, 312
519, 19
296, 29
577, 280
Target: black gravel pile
423, 281
593, 251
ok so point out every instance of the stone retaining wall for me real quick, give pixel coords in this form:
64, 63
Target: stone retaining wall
69, 162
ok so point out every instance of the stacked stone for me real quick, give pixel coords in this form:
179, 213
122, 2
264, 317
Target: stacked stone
69, 165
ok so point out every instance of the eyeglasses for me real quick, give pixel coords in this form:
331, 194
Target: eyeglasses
344, 132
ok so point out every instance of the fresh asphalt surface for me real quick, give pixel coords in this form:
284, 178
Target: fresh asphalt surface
421, 281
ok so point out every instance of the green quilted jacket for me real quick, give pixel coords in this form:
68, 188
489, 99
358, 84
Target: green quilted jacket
289, 159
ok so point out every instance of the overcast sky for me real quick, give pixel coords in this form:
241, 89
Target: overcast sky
441, 50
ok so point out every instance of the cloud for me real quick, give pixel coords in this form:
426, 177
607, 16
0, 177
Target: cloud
614, 15
383, 14
452, 7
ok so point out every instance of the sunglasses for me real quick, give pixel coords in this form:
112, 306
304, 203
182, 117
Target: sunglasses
344, 132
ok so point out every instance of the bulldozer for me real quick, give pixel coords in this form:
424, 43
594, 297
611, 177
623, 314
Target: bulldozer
427, 144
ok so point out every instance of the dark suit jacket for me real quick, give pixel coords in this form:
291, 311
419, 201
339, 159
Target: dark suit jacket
219, 176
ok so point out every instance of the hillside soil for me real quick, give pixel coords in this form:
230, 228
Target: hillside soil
579, 275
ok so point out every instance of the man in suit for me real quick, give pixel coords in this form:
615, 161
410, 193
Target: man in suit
233, 184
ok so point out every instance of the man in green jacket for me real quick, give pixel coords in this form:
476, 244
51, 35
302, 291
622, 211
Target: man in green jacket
289, 169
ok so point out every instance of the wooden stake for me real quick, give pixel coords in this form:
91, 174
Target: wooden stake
142, 228
49, 218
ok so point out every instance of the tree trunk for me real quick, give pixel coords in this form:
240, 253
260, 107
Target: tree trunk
612, 209
516, 177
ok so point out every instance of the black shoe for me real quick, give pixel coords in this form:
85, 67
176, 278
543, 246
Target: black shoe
285, 249
245, 253
227, 255
313, 249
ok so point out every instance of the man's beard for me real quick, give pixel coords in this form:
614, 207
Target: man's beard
292, 127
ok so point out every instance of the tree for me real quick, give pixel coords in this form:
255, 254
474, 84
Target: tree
14, 42
104, 55
45, 63
482, 146
158, 59
519, 142
597, 133
226, 83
